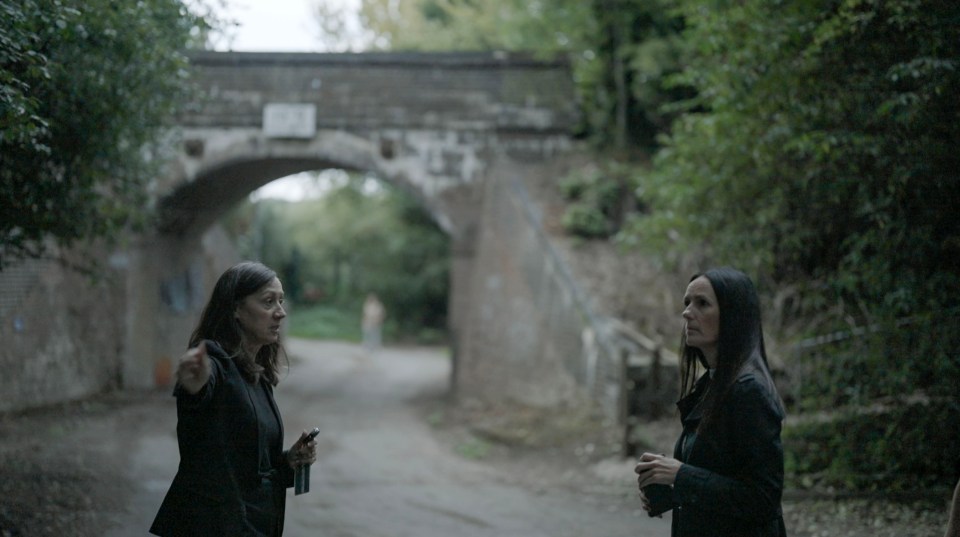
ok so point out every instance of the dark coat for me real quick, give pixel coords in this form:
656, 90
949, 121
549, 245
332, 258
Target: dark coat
218, 437
731, 482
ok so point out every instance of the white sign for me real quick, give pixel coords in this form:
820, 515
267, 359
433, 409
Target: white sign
289, 120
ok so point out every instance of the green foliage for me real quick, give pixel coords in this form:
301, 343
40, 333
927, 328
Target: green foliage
581, 220
85, 88
361, 237
892, 361
598, 199
891, 407
325, 322
823, 153
631, 54
474, 449
622, 50
901, 448
490, 25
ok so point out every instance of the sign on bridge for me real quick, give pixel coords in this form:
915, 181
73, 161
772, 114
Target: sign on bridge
289, 120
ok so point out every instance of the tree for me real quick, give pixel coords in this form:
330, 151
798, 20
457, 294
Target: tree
622, 53
821, 159
621, 49
86, 89
822, 154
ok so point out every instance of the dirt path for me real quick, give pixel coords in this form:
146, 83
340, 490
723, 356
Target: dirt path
395, 461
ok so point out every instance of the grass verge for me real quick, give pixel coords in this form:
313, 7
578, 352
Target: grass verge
325, 322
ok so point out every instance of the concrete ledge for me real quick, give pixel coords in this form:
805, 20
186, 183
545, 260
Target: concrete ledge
426, 60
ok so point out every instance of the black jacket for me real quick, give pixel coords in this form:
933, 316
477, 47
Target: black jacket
731, 482
218, 435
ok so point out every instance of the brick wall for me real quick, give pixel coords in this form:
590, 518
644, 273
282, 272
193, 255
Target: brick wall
524, 329
63, 332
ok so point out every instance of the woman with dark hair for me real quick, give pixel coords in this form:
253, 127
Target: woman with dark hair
725, 478
233, 472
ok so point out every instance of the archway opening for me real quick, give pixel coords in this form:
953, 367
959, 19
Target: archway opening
338, 237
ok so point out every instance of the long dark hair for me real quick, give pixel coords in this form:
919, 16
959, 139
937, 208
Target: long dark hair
740, 346
218, 322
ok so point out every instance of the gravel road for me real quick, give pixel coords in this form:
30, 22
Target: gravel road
382, 470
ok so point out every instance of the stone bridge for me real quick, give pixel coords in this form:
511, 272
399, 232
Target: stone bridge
477, 138
461, 132
433, 123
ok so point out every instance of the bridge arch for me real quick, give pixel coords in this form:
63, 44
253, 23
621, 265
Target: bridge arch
203, 187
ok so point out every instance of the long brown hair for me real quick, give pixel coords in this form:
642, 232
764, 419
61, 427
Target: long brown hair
218, 322
740, 345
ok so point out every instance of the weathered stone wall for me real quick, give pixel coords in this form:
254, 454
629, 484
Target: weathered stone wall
523, 331
369, 91
62, 332
169, 283
541, 331
68, 336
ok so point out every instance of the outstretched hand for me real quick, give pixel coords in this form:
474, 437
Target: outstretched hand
302, 452
193, 368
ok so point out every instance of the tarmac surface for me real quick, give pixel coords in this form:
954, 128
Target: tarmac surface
382, 471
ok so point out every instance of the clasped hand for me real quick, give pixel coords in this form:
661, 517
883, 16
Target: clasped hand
655, 469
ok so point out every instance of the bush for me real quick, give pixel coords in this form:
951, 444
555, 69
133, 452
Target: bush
899, 410
87, 89
583, 220
901, 448
600, 199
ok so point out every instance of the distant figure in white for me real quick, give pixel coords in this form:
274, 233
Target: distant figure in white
372, 322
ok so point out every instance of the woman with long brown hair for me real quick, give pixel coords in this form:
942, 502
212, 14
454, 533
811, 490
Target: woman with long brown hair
233, 472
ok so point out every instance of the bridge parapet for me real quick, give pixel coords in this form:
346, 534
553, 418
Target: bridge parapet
372, 91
